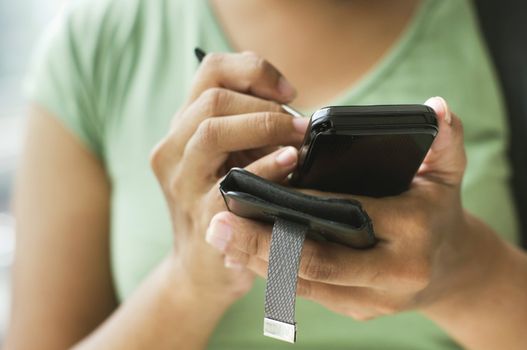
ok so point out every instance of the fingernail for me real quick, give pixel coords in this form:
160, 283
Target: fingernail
300, 124
448, 115
219, 235
440, 106
286, 89
287, 157
232, 264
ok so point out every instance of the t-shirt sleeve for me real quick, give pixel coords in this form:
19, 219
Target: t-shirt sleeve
61, 77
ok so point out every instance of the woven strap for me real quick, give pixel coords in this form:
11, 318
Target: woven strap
287, 240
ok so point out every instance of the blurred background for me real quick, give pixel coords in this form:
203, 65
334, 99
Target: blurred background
21, 23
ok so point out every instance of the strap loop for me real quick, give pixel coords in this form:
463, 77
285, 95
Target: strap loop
287, 240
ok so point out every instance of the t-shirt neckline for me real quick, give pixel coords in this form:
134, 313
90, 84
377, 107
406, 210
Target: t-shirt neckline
360, 88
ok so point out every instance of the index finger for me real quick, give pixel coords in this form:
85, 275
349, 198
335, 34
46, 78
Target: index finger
243, 72
321, 261
217, 137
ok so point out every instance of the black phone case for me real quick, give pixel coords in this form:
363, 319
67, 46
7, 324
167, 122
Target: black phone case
342, 221
365, 150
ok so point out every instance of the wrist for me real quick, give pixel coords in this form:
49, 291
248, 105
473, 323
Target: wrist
488, 311
480, 265
181, 285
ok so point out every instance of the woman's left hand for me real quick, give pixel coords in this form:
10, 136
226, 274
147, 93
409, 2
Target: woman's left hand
425, 251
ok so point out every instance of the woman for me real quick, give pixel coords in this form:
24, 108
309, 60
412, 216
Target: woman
102, 263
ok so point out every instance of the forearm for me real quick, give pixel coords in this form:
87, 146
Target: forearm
493, 314
162, 314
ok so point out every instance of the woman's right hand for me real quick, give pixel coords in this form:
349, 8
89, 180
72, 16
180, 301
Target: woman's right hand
229, 120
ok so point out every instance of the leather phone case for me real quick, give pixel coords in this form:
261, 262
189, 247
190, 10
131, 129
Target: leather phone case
337, 220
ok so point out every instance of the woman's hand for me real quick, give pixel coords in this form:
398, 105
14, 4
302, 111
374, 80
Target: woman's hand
425, 250
218, 128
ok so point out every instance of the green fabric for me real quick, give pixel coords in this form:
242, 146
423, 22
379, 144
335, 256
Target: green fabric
115, 71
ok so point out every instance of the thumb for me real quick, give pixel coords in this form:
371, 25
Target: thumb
276, 166
446, 159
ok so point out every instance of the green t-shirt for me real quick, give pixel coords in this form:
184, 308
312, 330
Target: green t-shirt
115, 72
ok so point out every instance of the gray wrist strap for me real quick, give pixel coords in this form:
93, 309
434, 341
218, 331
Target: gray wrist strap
287, 240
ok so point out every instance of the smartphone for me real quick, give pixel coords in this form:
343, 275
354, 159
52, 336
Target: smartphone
365, 150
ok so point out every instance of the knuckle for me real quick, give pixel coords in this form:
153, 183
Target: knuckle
315, 267
251, 242
206, 135
162, 155
213, 59
212, 99
156, 158
259, 67
250, 237
268, 123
